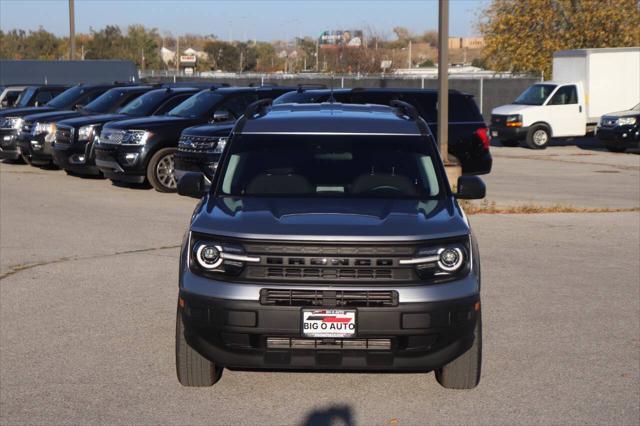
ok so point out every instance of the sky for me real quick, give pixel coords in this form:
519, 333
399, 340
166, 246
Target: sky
241, 19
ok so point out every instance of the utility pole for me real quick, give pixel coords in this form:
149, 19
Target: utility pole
409, 60
443, 80
177, 54
72, 31
317, 54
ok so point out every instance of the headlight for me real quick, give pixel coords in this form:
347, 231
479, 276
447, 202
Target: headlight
206, 256
85, 133
626, 121
135, 137
441, 261
514, 120
222, 142
40, 128
11, 123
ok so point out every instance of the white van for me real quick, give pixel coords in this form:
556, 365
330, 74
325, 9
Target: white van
587, 83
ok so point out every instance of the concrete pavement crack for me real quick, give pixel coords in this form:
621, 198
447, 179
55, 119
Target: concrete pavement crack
26, 266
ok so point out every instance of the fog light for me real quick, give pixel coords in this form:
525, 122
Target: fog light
131, 157
450, 259
36, 145
6, 138
77, 159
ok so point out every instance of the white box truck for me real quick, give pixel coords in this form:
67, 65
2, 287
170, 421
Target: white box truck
587, 83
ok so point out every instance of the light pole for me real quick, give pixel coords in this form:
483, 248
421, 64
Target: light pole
72, 31
443, 80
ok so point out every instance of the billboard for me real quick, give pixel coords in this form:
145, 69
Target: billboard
341, 38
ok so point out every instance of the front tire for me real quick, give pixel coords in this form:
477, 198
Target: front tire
160, 170
538, 137
193, 369
464, 371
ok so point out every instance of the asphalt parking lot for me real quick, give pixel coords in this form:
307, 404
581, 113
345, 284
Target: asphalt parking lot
88, 287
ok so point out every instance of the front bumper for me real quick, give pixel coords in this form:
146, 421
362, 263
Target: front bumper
238, 334
621, 136
36, 148
9, 149
121, 163
195, 162
76, 157
508, 133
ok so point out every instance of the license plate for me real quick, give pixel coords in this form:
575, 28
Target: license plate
494, 133
319, 323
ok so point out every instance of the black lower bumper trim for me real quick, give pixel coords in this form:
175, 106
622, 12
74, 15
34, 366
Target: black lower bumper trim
410, 336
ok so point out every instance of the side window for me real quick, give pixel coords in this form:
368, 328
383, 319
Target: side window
426, 104
236, 105
565, 95
462, 108
170, 104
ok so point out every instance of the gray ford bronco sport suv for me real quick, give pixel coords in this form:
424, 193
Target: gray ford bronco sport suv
329, 239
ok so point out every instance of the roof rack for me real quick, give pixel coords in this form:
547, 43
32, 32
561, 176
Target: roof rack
257, 108
310, 86
403, 109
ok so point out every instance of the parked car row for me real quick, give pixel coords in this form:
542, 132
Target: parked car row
155, 134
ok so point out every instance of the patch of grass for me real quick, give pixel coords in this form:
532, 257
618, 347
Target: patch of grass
490, 207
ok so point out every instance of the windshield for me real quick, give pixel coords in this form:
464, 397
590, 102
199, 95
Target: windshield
535, 95
331, 166
108, 101
636, 108
300, 98
145, 104
25, 97
67, 99
197, 106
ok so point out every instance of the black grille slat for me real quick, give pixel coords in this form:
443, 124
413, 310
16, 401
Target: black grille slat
342, 298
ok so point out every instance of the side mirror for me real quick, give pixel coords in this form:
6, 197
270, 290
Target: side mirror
193, 184
78, 106
4, 104
221, 116
470, 188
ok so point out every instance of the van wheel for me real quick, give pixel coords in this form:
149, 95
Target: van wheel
160, 170
538, 137
509, 142
464, 371
192, 368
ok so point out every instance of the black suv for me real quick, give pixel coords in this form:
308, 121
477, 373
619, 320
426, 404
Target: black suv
143, 149
329, 239
468, 133
73, 149
12, 119
620, 130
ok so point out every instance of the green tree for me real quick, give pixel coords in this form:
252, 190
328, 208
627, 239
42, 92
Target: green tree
224, 56
521, 36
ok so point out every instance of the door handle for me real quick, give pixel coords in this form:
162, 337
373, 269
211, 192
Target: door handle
580, 108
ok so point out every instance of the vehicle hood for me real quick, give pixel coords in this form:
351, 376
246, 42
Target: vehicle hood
52, 116
21, 112
326, 219
208, 130
512, 109
622, 114
155, 122
93, 119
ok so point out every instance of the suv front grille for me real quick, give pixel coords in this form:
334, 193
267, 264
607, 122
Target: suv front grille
344, 263
64, 135
112, 136
340, 344
200, 144
338, 298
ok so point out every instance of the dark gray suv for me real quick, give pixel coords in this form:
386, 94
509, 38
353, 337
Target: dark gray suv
329, 239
